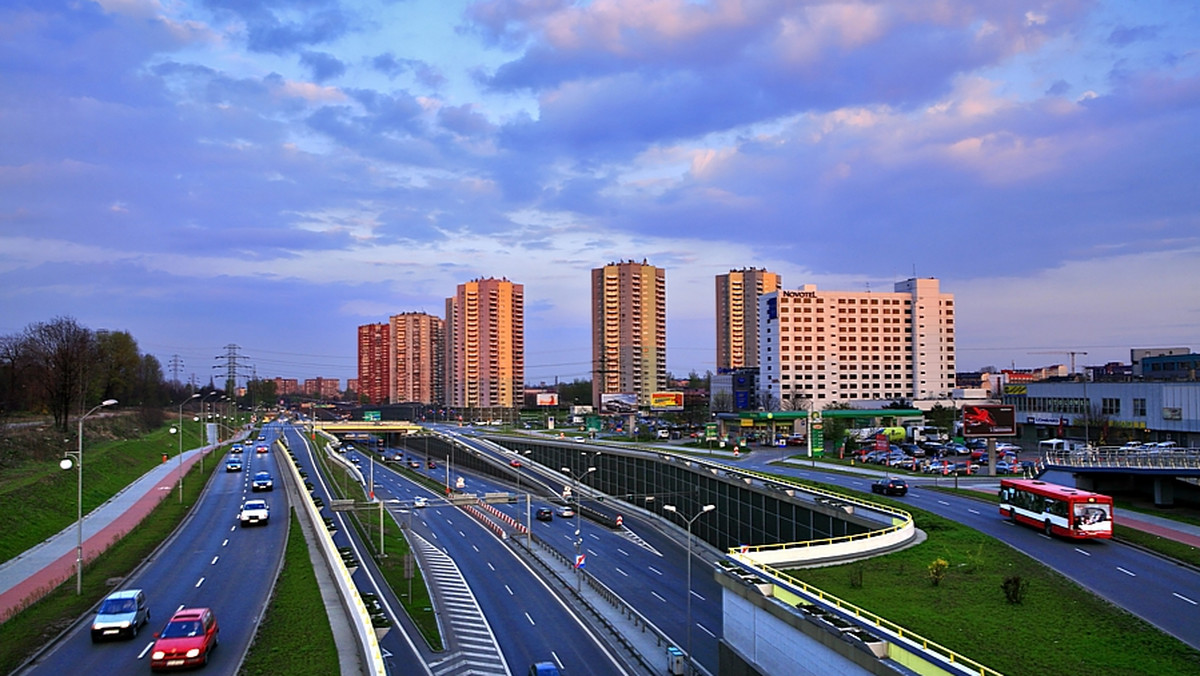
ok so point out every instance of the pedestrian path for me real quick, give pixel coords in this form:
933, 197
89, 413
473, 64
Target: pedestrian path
31, 575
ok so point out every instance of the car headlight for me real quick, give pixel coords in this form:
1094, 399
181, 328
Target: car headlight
157, 655
193, 652
125, 624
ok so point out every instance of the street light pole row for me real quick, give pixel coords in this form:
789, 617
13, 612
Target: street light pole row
703, 510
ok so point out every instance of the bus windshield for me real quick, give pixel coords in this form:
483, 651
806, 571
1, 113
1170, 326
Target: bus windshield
1091, 514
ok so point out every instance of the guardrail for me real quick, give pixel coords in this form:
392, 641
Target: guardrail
1117, 457
364, 631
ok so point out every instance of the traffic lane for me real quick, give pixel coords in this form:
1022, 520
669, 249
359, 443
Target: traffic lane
538, 621
194, 568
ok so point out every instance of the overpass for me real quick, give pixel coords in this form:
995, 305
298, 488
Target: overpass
1110, 468
369, 426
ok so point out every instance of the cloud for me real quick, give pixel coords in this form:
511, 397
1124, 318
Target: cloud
324, 66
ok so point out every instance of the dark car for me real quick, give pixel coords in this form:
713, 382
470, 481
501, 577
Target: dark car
262, 482
545, 514
890, 486
432, 465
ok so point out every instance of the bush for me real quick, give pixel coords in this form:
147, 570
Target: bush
937, 571
1014, 588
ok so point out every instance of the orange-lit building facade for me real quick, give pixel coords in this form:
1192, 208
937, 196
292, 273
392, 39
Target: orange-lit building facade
629, 330
737, 316
322, 388
416, 351
373, 353
485, 345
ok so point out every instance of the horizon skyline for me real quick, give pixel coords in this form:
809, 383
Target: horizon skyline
201, 173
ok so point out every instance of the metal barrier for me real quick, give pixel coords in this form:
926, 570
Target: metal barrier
1117, 457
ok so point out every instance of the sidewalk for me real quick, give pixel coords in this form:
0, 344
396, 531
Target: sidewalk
36, 572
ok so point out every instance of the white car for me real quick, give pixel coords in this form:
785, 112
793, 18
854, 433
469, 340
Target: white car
254, 512
420, 502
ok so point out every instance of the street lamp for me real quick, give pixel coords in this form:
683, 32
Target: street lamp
578, 531
180, 432
703, 510
65, 463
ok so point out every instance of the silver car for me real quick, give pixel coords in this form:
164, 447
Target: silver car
121, 615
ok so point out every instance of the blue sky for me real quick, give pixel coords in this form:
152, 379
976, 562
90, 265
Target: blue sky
273, 174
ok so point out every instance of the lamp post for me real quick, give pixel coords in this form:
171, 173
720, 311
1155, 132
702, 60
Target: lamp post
703, 510
66, 463
180, 432
578, 531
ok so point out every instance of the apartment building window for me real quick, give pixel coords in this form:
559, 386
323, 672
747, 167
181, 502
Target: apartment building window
1110, 406
1139, 407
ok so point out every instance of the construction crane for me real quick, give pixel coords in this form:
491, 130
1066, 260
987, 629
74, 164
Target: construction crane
1071, 353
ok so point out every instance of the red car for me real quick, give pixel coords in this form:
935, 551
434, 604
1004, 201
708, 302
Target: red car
262, 449
514, 462
187, 640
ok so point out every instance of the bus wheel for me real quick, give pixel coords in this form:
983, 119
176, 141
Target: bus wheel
1049, 530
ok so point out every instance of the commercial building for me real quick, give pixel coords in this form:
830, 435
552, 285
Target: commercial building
485, 345
373, 346
415, 353
629, 331
821, 347
737, 316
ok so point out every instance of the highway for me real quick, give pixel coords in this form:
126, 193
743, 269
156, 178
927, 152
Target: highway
210, 561
528, 620
644, 563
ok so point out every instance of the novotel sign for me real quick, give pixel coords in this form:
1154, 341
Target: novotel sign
799, 294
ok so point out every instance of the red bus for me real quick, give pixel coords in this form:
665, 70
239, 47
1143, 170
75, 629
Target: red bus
1058, 510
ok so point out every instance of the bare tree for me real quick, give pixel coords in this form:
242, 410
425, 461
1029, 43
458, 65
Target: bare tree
61, 352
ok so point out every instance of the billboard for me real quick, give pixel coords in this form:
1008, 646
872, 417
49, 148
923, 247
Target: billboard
618, 402
989, 421
666, 401
547, 399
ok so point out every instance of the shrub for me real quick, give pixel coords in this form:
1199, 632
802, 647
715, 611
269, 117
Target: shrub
1014, 588
937, 571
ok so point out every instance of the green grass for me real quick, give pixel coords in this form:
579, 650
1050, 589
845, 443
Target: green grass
295, 635
1059, 628
31, 628
40, 497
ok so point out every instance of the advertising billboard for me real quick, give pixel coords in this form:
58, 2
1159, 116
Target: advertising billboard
666, 401
547, 399
618, 402
989, 421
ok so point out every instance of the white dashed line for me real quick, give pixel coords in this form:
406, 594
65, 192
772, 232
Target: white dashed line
1129, 573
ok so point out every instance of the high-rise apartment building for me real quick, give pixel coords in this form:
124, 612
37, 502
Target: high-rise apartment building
373, 346
415, 354
485, 345
629, 330
820, 347
737, 316
321, 388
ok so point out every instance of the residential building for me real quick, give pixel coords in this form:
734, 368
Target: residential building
629, 331
415, 352
286, 386
485, 345
737, 316
821, 347
373, 346
322, 388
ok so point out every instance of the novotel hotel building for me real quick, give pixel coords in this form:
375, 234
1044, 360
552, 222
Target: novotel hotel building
821, 347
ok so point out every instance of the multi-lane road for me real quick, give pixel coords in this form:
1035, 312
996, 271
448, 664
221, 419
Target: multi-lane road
210, 561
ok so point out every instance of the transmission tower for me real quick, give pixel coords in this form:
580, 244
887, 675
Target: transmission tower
233, 366
176, 365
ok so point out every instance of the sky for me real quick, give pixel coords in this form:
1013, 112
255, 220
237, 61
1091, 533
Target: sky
272, 174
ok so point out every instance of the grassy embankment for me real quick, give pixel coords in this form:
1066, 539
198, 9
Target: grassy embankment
40, 501
295, 636
1058, 627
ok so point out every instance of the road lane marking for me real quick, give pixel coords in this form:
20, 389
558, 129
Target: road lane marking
943, 502
658, 597
655, 570
225, 543
509, 590
705, 630
530, 619
200, 582
145, 650
973, 511
1182, 597
214, 561
1083, 552
697, 595
491, 567
1129, 573
622, 551
621, 571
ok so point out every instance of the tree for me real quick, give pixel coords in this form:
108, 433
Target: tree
117, 370
942, 417
62, 353
834, 428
